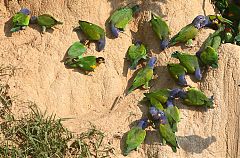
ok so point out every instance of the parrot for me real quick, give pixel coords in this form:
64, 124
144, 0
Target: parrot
208, 54
173, 114
167, 133
178, 72
46, 21
143, 76
135, 137
216, 21
190, 62
161, 29
88, 63
194, 97
120, 18
162, 95
20, 20
93, 33
135, 53
190, 31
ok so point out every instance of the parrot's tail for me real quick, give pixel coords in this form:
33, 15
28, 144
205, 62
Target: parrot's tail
59, 22
132, 88
175, 54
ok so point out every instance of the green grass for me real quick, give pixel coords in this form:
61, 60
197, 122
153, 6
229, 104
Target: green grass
38, 135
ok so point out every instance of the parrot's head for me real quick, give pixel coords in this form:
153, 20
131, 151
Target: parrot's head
198, 74
152, 62
136, 9
169, 103
164, 44
115, 31
143, 123
138, 43
101, 44
163, 118
174, 93
200, 21
153, 110
182, 80
25, 11
100, 60
33, 19
182, 94
198, 53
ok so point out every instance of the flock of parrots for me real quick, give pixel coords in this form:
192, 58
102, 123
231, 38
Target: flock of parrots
163, 114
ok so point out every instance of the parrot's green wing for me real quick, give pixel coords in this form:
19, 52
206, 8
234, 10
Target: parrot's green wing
197, 98
167, 133
92, 31
47, 20
209, 57
135, 137
190, 62
220, 19
161, 95
76, 50
173, 116
87, 63
185, 34
142, 78
176, 70
214, 39
121, 17
156, 103
19, 20
160, 27
135, 53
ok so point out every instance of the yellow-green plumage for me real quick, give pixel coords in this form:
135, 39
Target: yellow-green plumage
92, 31
135, 137
185, 34
135, 53
47, 21
19, 20
176, 70
161, 95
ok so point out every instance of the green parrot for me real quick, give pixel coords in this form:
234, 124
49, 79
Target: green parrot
120, 18
88, 63
46, 21
135, 53
143, 76
190, 62
189, 32
194, 97
208, 54
178, 72
160, 95
20, 20
173, 115
167, 133
93, 33
161, 29
135, 137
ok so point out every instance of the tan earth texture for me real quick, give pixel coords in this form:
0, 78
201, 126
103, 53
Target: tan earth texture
43, 78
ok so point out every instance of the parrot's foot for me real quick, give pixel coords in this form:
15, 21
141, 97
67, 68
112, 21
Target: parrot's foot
86, 43
23, 27
155, 77
88, 73
189, 43
43, 29
146, 86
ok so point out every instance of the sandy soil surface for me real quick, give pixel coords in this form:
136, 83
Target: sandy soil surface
44, 79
